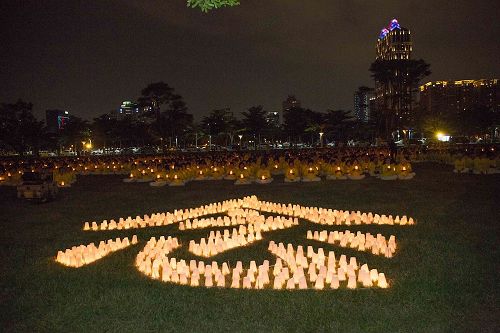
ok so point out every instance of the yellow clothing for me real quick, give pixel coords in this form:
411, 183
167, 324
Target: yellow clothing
292, 173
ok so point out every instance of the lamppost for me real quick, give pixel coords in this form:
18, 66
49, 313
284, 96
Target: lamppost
240, 136
321, 139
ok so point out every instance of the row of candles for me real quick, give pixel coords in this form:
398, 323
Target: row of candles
302, 272
234, 208
362, 242
82, 255
324, 215
219, 242
163, 219
323, 268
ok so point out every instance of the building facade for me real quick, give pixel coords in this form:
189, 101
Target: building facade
451, 97
394, 46
273, 118
363, 104
290, 102
128, 108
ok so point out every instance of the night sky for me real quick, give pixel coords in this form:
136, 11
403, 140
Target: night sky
87, 56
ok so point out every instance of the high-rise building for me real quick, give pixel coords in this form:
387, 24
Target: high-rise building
448, 97
394, 42
290, 102
128, 108
56, 120
363, 103
273, 118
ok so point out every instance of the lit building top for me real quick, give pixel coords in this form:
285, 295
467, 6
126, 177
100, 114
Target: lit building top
128, 108
394, 24
394, 42
446, 97
472, 83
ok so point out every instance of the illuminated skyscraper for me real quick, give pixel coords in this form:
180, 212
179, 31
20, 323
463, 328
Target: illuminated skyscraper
394, 42
393, 90
363, 103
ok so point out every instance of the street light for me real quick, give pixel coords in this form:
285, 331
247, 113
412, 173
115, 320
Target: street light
240, 136
321, 139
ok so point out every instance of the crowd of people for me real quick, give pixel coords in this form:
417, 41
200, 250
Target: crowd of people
240, 167
262, 167
479, 160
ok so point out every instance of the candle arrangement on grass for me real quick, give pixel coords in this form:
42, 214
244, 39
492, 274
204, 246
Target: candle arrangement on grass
245, 222
82, 255
362, 242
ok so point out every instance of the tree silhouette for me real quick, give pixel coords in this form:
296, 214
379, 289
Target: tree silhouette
397, 80
155, 95
254, 122
220, 125
104, 130
336, 124
19, 129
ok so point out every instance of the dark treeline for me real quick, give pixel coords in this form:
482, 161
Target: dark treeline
164, 120
168, 124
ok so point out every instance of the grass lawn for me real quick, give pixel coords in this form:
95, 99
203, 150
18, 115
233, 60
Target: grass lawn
444, 276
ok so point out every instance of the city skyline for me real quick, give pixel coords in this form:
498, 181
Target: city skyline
88, 58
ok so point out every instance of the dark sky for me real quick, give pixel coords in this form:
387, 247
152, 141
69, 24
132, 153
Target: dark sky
87, 56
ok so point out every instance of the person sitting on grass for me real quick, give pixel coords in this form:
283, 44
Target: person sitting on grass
310, 172
263, 174
217, 172
459, 163
403, 169
354, 171
480, 165
201, 171
292, 173
243, 175
230, 172
388, 170
277, 167
340, 170
160, 177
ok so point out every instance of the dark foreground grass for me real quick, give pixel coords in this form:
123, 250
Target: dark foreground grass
444, 276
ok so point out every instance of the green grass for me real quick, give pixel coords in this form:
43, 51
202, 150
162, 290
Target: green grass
444, 274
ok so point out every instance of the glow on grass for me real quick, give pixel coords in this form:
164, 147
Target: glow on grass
362, 242
82, 255
292, 269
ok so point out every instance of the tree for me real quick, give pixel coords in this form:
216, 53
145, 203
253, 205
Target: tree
299, 121
206, 5
19, 129
295, 122
254, 121
477, 120
174, 121
104, 130
335, 124
129, 131
155, 95
75, 132
220, 124
396, 81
